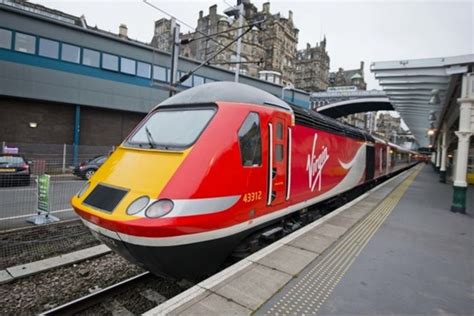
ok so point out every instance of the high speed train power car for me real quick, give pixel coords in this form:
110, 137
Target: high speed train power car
216, 164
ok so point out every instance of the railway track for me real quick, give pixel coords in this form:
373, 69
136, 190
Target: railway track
128, 297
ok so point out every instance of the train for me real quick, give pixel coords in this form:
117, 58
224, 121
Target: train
215, 168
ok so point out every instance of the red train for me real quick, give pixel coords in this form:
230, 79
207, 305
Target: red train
214, 166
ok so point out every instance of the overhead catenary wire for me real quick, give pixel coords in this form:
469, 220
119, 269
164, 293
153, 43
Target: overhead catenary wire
186, 24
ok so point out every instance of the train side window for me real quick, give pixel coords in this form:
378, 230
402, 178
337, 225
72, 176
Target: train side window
250, 141
279, 131
279, 152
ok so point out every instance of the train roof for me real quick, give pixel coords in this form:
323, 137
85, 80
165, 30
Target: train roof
317, 120
225, 91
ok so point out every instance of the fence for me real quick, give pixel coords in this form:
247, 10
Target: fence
56, 158
18, 201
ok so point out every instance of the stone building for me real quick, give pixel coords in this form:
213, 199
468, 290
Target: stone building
389, 126
280, 38
351, 77
271, 48
312, 68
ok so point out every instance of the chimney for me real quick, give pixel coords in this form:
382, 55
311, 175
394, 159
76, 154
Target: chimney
266, 7
123, 31
308, 46
213, 10
290, 15
362, 66
200, 14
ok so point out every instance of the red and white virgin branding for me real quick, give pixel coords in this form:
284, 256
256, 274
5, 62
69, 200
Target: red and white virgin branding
315, 165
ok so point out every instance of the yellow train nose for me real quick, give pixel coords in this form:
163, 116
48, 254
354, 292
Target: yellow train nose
140, 172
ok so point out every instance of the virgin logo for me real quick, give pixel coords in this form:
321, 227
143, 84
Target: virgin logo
316, 164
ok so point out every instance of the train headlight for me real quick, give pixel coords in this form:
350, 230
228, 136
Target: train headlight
83, 189
159, 208
138, 205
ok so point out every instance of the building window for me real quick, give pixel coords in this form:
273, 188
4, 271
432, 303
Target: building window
48, 48
71, 53
127, 66
250, 141
90, 58
198, 80
159, 73
143, 70
5, 39
25, 43
110, 62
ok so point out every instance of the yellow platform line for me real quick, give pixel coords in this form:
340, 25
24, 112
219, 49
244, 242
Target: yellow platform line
315, 287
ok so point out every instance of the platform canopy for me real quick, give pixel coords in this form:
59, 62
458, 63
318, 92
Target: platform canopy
417, 88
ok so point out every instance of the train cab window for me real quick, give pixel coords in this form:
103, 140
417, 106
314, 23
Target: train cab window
172, 129
250, 141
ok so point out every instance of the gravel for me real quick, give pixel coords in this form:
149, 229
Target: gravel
39, 242
44, 291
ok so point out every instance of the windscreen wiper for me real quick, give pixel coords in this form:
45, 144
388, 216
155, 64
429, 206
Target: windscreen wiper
151, 141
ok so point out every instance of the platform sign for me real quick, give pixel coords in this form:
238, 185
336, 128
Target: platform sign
43, 193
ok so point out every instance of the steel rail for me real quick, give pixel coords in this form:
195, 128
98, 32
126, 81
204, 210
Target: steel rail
87, 301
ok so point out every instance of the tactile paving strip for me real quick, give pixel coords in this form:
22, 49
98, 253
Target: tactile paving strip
316, 282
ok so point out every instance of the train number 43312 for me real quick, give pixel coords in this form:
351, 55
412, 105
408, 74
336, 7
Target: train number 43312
252, 196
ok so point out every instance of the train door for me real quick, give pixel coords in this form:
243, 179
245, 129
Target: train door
278, 160
369, 161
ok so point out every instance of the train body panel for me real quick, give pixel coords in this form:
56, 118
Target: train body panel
218, 171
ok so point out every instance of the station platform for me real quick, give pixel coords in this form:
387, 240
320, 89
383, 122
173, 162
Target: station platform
396, 249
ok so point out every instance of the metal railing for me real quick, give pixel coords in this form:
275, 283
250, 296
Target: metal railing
19, 199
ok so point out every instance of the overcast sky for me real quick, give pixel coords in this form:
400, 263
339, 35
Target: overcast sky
355, 30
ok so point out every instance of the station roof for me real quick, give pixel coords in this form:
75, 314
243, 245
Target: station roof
411, 84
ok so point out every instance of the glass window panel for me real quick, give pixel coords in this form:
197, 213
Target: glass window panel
127, 66
143, 70
25, 43
279, 152
5, 39
250, 141
279, 131
70, 53
90, 57
110, 62
48, 48
159, 73
170, 129
198, 80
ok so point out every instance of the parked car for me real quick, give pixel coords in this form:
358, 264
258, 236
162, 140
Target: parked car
87, 168
14, 170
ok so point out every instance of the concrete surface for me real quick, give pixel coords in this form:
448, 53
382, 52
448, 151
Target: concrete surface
421, 261
55, 262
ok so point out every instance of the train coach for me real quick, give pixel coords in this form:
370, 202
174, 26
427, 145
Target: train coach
218, 165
